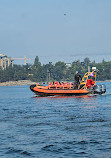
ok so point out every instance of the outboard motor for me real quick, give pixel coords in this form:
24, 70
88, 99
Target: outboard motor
103, 87
99, 89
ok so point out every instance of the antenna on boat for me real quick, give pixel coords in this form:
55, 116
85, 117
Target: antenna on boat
88, 68
48, 76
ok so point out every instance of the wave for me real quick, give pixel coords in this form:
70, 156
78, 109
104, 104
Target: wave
20, 151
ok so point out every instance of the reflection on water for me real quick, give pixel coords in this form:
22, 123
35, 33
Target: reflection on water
70, 126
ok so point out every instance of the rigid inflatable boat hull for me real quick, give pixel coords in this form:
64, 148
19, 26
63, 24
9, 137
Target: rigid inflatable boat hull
43, 91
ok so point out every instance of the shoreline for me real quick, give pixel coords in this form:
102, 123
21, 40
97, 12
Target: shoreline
17, 83
26, 82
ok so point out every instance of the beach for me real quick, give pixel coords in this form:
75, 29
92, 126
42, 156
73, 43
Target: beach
15, 83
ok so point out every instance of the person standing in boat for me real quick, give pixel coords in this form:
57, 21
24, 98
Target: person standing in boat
77, 78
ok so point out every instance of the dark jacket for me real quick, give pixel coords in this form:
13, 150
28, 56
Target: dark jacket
77, 77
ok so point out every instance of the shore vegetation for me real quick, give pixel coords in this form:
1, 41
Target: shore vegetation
60, 71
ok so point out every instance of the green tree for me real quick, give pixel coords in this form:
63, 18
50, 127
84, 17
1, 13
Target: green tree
59, 71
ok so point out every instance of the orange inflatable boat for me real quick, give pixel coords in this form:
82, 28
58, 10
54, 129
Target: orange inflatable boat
86, 86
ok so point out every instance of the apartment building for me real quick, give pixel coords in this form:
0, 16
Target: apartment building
5, 61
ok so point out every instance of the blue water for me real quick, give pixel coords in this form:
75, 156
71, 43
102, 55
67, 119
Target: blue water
60, 127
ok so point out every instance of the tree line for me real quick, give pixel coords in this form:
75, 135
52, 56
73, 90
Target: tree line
59, 71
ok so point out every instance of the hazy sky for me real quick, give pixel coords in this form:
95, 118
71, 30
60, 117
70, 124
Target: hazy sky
55, 29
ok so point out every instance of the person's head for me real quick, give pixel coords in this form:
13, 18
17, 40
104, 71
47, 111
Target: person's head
76, 72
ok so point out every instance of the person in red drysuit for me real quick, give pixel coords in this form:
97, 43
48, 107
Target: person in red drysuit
90, 82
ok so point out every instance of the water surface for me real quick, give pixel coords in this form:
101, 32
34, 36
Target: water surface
73, 127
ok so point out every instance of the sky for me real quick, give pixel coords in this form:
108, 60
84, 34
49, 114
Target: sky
56, 30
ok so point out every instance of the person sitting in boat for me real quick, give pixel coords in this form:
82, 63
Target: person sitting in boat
50, 83
77, 78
